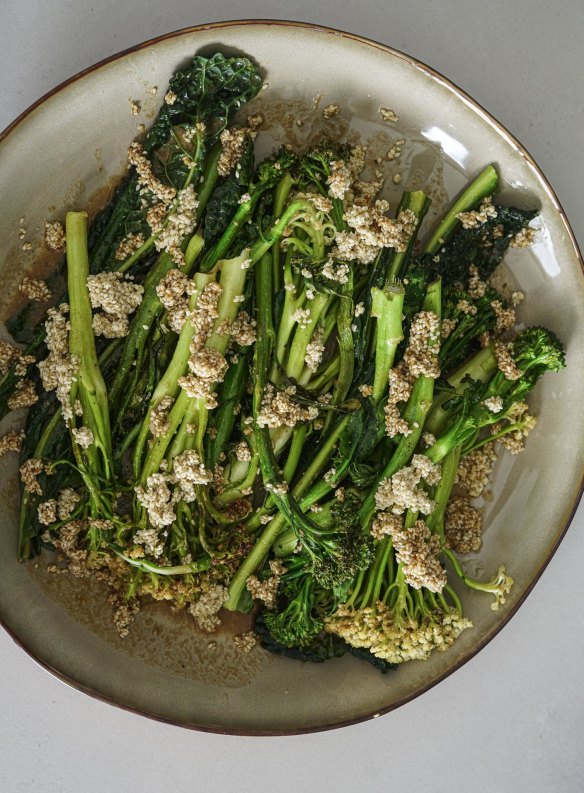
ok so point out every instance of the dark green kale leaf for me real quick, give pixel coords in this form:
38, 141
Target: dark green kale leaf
211, 90
483, 246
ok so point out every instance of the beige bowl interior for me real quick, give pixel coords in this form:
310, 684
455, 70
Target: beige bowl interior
71, 147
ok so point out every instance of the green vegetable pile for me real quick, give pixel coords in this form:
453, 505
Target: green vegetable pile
263, 392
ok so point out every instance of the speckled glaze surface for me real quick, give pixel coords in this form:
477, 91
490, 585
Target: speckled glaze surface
70, 149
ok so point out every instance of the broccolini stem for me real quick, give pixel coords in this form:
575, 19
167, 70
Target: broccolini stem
295, 451
481, 367
89, 386
514, 426
149, 567
281, 194
321, 380
454, 436
274, 233
287, 323
435, 521
233, 491
185, 408
304, 490
168, 383
485, 184
220, 249
230, 394
303, 335
387, 307
418, 203
148, 310
289, 508
375, 579
345, 345
263, 350
415, 414
208, 179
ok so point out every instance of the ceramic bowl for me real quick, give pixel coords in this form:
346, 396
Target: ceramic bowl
69, 149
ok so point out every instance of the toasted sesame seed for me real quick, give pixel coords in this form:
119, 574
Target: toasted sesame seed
330, 111
35, 289
388, 115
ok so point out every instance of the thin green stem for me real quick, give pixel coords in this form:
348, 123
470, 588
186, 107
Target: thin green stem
418, 204
387, 307
485, 184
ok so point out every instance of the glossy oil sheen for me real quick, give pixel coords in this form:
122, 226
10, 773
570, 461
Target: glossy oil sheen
71, 146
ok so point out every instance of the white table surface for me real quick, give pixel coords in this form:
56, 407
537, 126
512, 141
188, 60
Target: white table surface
512, 719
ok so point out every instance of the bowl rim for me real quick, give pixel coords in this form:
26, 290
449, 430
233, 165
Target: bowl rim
522, 151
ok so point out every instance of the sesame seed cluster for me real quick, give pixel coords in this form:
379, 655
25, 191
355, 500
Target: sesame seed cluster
280, 410
205, 610
505, 361
524, 238
23, 396
128, 245
174, 290
475, 469
29, 473
401, 491
315, 349
164, 490
243, 452
463, 526
233, 144
35, 289
207, 367
159, 424
420, 358
118, 297
59, 368
245, 642
11, 442
370, 231
83, 436
421, 355
266, 590
55, 236
478, 217
418, 551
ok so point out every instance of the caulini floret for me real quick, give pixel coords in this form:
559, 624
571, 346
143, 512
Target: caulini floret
396, 638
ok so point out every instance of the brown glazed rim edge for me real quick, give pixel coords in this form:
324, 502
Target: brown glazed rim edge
549, 190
